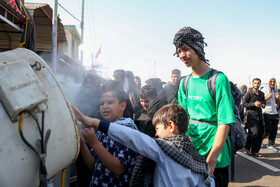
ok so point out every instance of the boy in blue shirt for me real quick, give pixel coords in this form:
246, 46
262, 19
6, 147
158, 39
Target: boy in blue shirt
177, 163
110, 161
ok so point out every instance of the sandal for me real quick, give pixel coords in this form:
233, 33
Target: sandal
248, 152
256, 154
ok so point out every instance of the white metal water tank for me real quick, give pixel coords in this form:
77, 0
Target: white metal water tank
22, 89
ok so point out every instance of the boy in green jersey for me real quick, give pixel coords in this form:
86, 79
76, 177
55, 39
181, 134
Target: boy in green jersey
210, 119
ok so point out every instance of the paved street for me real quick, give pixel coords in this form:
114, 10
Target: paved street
258, 172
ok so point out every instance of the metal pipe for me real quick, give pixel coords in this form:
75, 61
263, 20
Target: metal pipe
82, 31
54, 37
11, 23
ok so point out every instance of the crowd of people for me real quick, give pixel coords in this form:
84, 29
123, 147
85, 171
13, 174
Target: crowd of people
168, 134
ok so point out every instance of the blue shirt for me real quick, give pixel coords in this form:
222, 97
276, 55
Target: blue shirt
167, 171
101, 175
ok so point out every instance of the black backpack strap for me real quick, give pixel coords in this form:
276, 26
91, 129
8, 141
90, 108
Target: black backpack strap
212, 83
212, 89
186, 81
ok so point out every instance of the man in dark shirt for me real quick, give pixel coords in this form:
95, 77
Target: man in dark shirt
171, 88
147, 93
253, 101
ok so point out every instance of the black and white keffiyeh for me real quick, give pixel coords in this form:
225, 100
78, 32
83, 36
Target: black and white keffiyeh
180, 149
192, 38
143, 172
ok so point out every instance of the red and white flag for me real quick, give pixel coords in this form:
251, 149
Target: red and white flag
98, 53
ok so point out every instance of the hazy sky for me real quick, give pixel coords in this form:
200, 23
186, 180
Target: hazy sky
243, 36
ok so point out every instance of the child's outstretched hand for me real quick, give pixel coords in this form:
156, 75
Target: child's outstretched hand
89, 136
87, 121
77, 113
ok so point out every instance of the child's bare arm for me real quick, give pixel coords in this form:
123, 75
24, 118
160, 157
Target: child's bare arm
109, 161
87, 156
218, 144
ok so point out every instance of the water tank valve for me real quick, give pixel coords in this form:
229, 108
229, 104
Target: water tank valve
37, 66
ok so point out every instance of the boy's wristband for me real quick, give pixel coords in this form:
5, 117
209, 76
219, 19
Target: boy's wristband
104, 126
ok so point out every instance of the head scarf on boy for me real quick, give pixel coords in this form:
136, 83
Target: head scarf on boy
193, 38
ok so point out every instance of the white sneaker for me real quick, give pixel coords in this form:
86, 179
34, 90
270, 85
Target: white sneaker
272, 148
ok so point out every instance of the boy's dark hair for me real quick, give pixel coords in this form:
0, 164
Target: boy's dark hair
119, 75
256, 79
175, 113
155, 82
119, 72
117, 94
137, 77
95, 79
176, 71
148, 91
114, 85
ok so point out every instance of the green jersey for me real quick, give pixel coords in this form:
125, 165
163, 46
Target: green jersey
200, 106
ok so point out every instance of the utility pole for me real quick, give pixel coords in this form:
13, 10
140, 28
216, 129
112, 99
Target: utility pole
54, 37
82, 31
155, 63
92, 65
